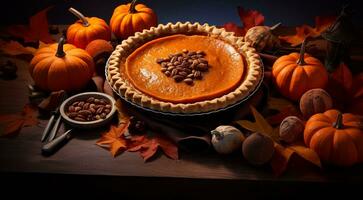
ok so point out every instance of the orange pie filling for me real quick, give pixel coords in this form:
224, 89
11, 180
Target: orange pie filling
221, 68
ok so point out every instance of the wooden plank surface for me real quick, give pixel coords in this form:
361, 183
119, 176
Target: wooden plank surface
80, 156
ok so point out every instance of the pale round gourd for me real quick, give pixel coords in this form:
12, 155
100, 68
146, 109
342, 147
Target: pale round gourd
226, 139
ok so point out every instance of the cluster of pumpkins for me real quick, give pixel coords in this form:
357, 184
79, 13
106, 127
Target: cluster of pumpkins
336, 137
70, 66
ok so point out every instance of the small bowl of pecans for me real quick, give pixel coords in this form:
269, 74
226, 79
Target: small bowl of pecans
88, 110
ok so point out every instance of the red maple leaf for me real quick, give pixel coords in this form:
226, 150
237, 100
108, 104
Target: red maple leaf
15, 122
37, 30
249, 19
148, 146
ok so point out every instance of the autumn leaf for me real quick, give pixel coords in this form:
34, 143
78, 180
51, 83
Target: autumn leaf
113, 140
280, 159
15, 122
37, 30
278, 103
249, 19
284, 107
304, 31
282, 155
14, 48
260, 125
307, 154
148, 146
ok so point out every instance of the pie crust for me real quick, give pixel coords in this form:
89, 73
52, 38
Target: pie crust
253, 71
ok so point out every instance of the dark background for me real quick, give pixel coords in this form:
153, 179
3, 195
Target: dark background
289, 12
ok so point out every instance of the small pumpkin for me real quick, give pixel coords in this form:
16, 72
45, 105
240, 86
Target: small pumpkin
294, 74
87, 29
315, 101
61, 67
291, 129
100, 50
337, 138
226, 139
258, 149
262, 37
131, 18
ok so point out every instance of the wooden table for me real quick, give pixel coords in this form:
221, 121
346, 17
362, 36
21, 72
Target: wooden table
82, 166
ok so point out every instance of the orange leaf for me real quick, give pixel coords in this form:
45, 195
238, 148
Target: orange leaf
301, 33
260, 125
36, 31
113, 140
149, 146
14, 48
307, 153
280, 159
321, 24
249, 19
14, 123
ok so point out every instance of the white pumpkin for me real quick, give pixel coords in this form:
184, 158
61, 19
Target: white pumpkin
226, 139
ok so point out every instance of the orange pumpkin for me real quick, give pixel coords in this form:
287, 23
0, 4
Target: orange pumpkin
337, 138
294, 74
61, 67
86, 30
131, 18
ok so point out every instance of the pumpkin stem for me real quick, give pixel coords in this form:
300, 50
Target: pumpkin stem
132, 7
338, 124
301, 60
60, 53
218, 134
79, 15
275, 26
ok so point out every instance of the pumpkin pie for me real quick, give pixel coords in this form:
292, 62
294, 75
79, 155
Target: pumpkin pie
184, 68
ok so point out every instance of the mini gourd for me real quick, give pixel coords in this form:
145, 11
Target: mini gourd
226, 139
